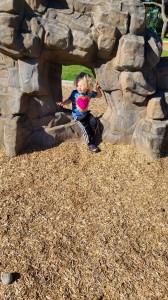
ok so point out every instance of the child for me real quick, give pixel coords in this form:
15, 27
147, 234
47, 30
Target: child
80, 98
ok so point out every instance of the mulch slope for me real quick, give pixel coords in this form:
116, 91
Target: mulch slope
77, 225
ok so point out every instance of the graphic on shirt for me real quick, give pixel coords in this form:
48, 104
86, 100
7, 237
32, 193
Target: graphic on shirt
82, 103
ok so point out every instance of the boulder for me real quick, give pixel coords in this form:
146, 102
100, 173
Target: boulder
149, 136
37, 37
11, 6
130, 54
136, 83
157, 108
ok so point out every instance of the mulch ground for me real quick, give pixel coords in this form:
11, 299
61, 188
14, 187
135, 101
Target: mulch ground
83, 226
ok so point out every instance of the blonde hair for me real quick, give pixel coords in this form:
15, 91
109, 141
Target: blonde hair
87, 81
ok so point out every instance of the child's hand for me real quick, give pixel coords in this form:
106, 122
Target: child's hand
98, 90
63, 103
97, 85
60, 103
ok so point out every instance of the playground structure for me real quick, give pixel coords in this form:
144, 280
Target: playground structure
109, 37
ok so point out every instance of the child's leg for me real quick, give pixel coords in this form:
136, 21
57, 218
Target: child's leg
88, 126
86, 130
93, 123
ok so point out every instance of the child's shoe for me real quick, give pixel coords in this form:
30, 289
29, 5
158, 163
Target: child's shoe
93, 148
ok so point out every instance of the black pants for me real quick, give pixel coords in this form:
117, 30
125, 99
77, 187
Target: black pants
88, 125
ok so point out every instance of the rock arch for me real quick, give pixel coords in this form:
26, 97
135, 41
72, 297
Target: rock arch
38, 36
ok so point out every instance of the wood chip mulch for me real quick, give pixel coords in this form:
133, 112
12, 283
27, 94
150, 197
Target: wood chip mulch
77, 225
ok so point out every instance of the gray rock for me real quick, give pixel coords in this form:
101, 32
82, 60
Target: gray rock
6, 278
157, 108
130, 55
38, 37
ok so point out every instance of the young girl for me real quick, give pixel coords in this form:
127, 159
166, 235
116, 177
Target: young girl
80, 98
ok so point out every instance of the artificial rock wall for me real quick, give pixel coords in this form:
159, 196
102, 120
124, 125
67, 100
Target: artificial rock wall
37, 37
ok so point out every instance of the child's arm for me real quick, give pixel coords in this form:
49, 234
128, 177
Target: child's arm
98, 90
63, 103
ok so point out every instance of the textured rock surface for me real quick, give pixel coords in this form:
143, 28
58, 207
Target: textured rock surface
6, 278
38, 37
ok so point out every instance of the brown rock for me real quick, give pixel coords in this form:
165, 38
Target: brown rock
38, 37
157, 109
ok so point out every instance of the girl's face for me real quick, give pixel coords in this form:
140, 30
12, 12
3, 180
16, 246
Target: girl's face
81, 87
